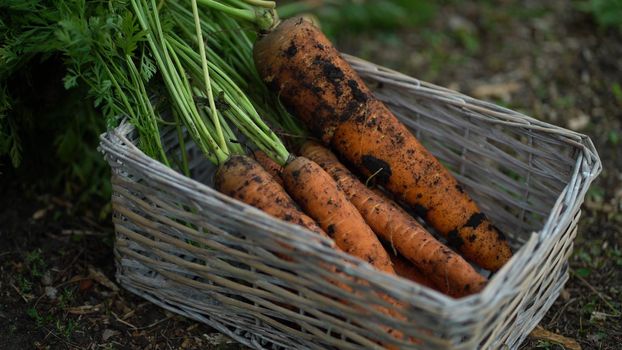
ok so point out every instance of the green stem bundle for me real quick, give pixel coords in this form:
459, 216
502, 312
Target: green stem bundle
191, 77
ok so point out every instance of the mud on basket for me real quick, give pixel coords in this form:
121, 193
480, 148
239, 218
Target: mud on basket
196, 252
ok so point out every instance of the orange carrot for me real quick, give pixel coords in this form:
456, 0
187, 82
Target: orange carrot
405, 269
244, 179
300, 64
448, 270
318, 194
269, 165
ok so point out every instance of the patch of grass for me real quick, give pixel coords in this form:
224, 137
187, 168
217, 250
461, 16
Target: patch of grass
34, 314
589, 307
614, 137
564, 102
596, 193
65, 329
468, 40
583, 272
607, 13
591, 256
24, 284
36, 264
40, 319
66, 298
591, 263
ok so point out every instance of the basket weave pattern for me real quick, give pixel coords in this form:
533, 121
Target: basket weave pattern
196, 252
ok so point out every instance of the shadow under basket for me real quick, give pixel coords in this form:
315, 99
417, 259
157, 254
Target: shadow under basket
196, 252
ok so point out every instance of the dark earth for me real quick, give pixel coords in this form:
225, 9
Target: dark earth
547, 59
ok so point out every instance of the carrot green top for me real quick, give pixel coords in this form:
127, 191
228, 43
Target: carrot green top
194, 73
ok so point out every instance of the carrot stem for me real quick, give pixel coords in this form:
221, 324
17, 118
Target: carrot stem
148, 117
243, 14
261, 3
176, 84
239, 109
206, 79
182, 146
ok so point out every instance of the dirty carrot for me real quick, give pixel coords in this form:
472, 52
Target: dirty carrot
448, 270
320, 197
269, 165
300, 64
244, 179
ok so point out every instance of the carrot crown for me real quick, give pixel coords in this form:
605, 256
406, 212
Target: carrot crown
259, 12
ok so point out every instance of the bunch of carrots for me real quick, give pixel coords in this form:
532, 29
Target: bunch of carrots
334, 118
221, 81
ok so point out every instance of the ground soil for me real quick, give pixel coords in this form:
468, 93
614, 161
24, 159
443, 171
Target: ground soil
546, 59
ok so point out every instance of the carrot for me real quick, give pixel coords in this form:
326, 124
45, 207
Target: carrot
269, 165
244, 179
300, 64
448, 270
405, 269
318, 194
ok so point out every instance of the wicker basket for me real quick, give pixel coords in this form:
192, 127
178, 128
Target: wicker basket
196, 252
